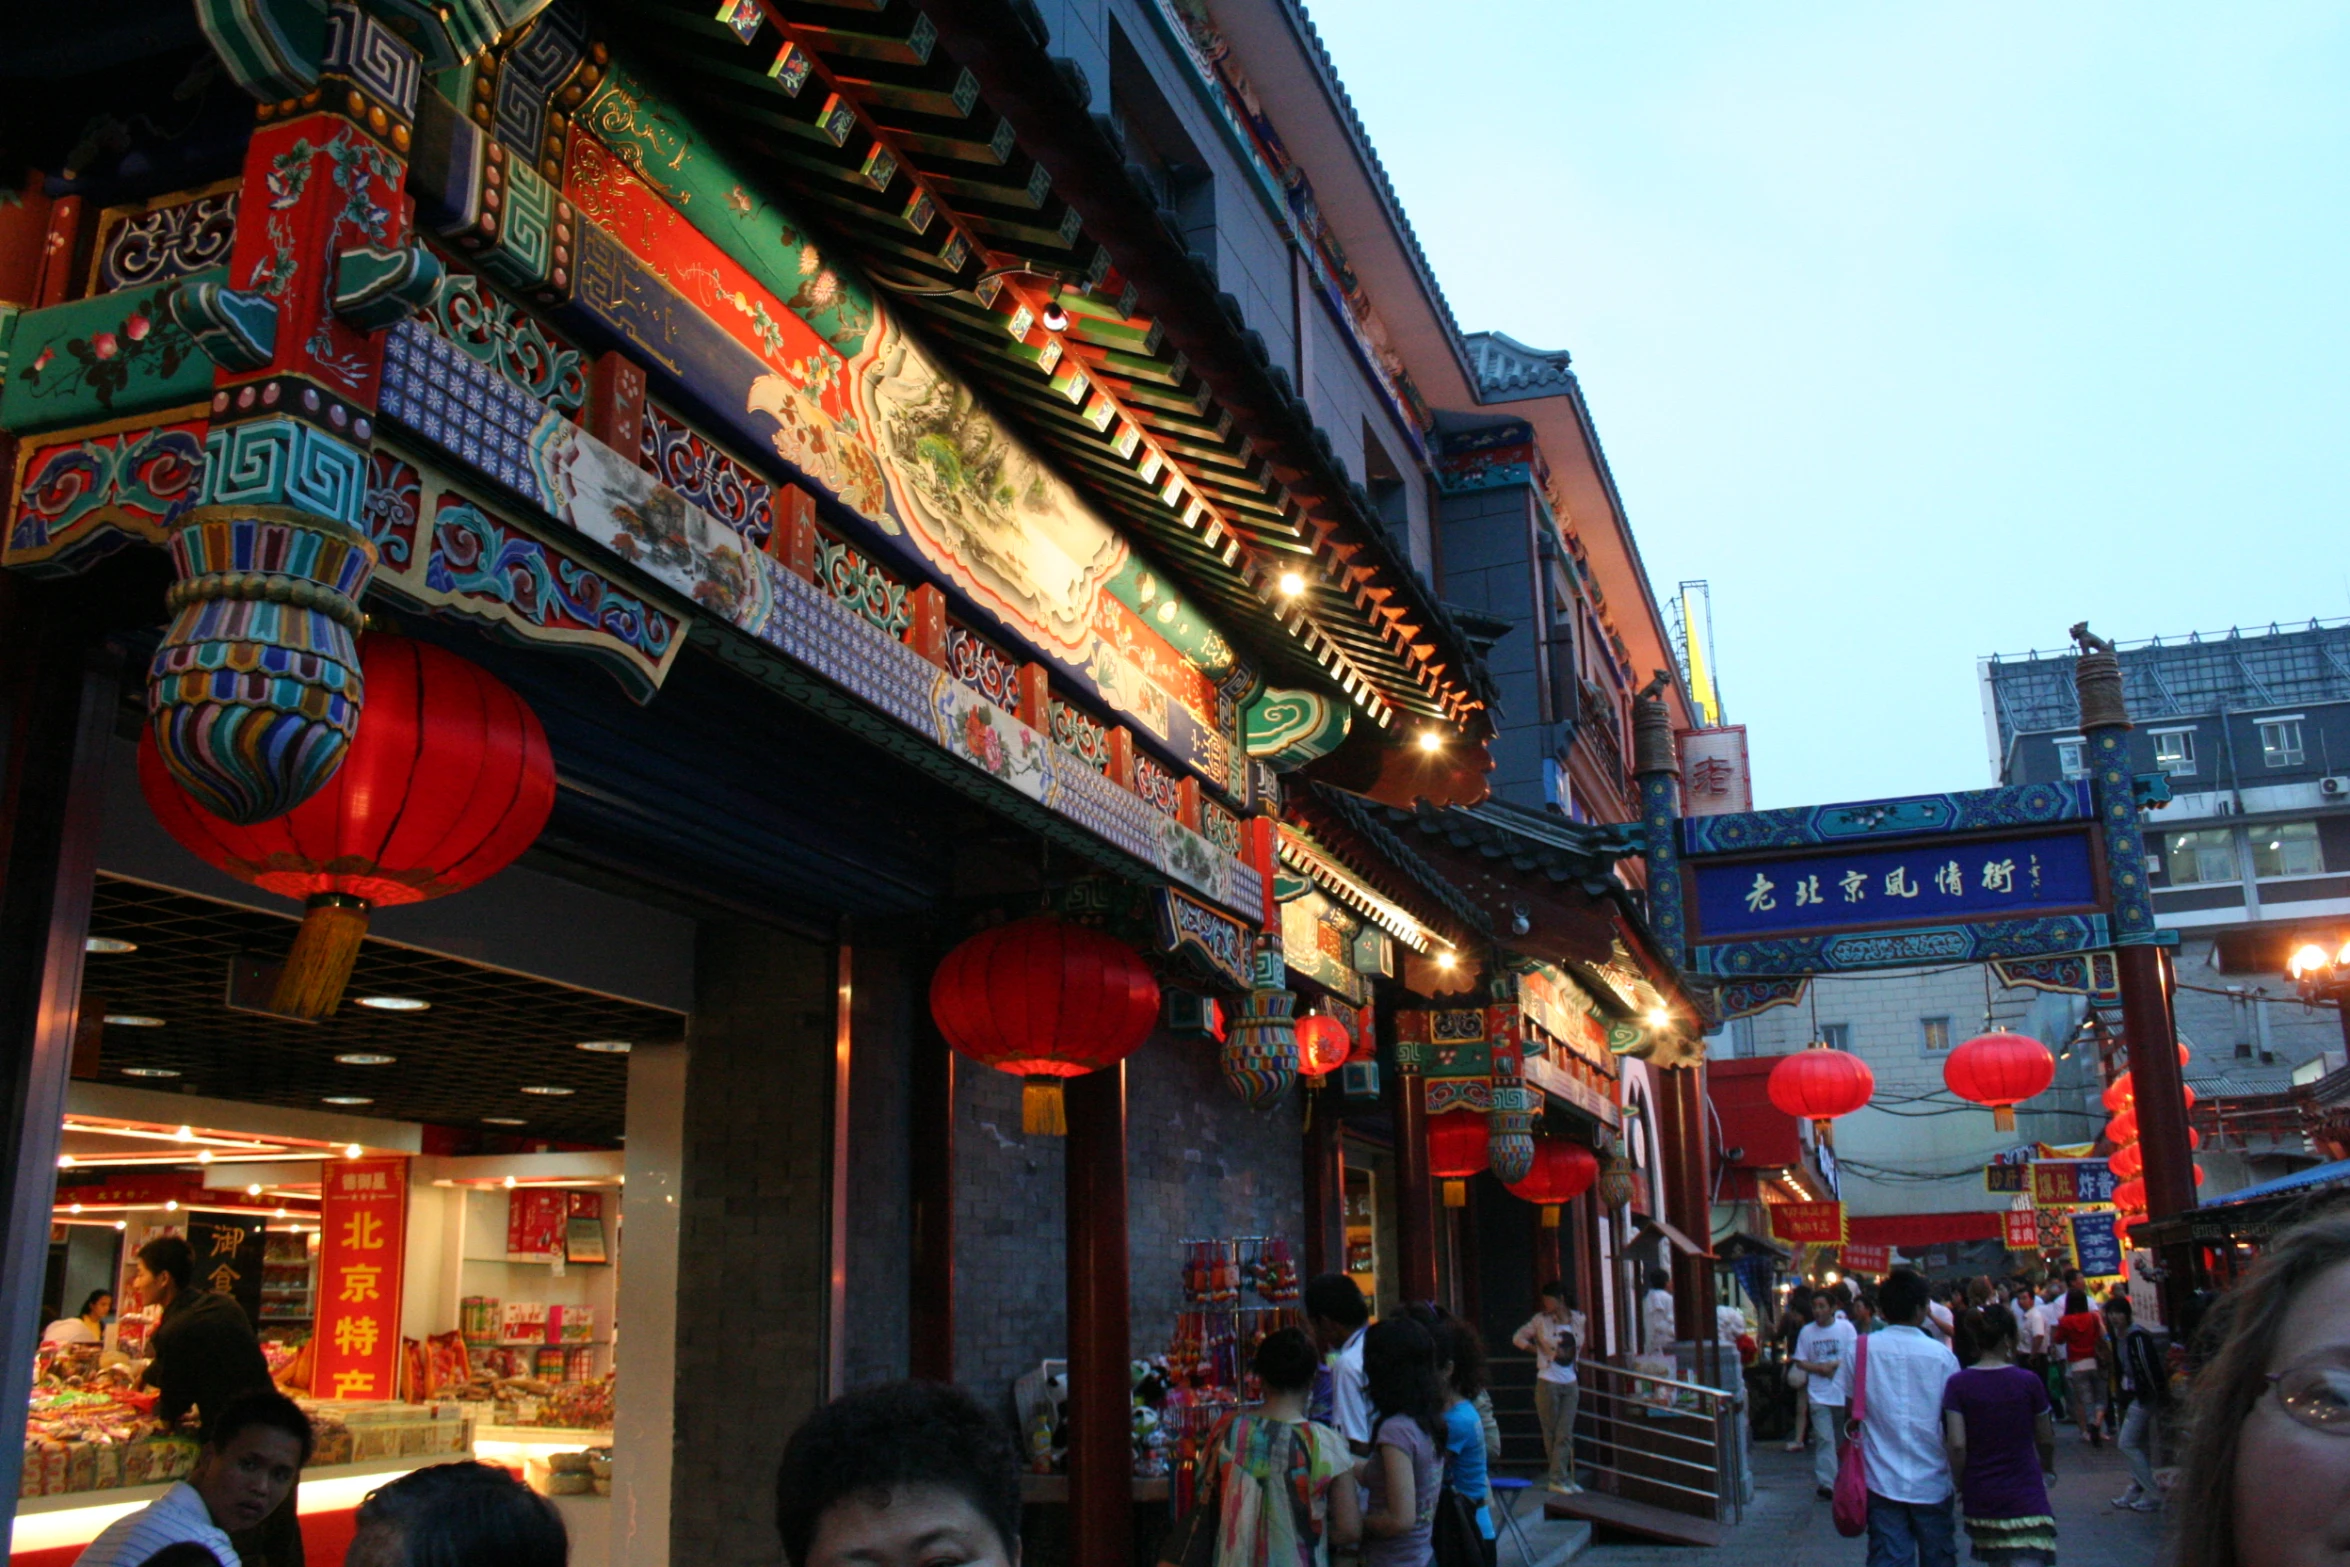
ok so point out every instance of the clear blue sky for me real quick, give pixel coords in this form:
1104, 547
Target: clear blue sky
1921, 332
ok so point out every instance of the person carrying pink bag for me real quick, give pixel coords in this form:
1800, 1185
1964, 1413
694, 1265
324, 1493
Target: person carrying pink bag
1898, 1440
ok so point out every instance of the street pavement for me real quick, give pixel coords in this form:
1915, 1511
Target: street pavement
1788, 1525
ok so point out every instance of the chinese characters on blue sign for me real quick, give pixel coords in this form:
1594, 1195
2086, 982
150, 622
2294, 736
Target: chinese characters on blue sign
1983, 878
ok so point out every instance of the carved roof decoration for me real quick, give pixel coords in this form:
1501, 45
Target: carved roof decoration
1508, 370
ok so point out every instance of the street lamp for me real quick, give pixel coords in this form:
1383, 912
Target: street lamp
2323, 975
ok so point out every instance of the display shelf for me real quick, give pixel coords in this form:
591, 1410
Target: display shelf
536, 1262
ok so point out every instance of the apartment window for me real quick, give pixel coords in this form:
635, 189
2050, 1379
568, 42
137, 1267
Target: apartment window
2069, 760
2205, 855
2287, 849
1937, 1032
2174, 752
2280, 742
1838, 1036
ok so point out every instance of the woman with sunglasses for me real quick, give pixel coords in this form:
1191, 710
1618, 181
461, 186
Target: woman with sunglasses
2266, 1479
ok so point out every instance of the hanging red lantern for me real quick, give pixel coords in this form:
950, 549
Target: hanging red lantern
2001, 1070
1457, 1149
1044, 1000
1563, 1171
2130, 1196
2126, 1162
2122, 1130
447, 779
1819, 1084
1322, 1045
2119, 1094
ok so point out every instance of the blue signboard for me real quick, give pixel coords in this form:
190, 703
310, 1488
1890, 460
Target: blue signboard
1939, 882
2097, 1251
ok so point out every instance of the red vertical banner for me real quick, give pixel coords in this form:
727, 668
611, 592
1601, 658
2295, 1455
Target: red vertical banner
363, 1228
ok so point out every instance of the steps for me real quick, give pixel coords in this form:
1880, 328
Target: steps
1510, 1381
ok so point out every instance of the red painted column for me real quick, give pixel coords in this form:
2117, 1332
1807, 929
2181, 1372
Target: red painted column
1415, 1198
1101, 1463
1688, 1196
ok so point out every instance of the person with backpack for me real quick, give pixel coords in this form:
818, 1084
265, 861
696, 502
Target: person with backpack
2144, 1372
1553, 1336
1282, 1486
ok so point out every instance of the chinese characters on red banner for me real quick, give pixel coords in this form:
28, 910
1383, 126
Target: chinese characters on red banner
1876, 1261
363, 1228
1807, 1223
2021, 1229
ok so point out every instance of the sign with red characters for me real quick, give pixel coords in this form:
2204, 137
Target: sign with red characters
363, 1230
1876, 1261
1807, 1223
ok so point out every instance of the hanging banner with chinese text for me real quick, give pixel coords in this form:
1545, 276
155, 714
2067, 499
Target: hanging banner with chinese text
2097, 1251
228, 1257
2058, 1183
363, 1228
1995, 877
1875, 1261
1715, 776
2021, 1229
1807, 1223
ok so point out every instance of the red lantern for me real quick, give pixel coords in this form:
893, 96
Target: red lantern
447, 779
2122, 1130
2126, 1162
2130, 1196
1044, 1000
1820, 1084
2119, 1094
1458, 1143
1322, 1045
2001, 1070
1563, 1171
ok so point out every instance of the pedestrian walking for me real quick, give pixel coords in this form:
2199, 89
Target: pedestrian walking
1657, 1313
1821, 1353
898, 1475
1337, 1316
1784, 1335
2082, 1333
1282, 1485
1403, 1476
2142, 1370
2266, 1477
1554, 1337
1901, 1433
2001, 1440
458, 1515
1466, 1458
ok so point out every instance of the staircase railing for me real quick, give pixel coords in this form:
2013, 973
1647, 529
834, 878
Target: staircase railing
1671, 1444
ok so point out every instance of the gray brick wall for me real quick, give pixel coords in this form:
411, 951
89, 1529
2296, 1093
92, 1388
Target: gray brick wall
751, 1267
1198, 1163
881, 1020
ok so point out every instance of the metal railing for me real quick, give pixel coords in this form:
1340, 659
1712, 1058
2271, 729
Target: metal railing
1671, 1444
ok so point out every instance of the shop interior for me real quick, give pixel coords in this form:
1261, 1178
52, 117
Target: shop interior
500, 1098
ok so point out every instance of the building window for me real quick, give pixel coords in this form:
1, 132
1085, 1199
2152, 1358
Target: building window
2287, 849
2068, 758
1837, 1036
2280, 742
2206, 855
1937, 1030
2174, 752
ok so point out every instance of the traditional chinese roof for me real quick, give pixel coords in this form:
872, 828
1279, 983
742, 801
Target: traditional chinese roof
1358, 831
1537, 842
962, 164
1508, 370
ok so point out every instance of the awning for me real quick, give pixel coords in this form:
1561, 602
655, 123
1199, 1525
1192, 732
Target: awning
2300, 1181
1651, 1227
1311, 860
1902, 1230
1765, 1136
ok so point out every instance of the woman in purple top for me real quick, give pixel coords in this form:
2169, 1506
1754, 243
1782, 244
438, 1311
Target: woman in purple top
1401, 1478
2002, 1441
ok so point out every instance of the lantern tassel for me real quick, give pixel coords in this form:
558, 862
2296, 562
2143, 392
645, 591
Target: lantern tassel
2003, 1117
1041, 1114
319, 965
1456, 1194
1550, 1215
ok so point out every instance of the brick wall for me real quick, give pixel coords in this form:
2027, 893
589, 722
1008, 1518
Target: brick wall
879, 1214
1198, 1164
751, 1266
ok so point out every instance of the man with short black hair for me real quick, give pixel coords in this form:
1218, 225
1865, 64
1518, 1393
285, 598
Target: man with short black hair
2144, 1372
1822, 1350
903, 1473
259, 1443
1901, 1371
1337, 1315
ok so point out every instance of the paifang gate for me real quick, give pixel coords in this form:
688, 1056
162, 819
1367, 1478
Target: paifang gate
2005, 876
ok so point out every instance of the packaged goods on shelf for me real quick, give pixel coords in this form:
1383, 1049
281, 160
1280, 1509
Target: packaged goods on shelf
479, 1320
524, 1322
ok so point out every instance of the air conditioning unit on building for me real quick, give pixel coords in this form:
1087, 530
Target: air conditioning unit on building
2335, 786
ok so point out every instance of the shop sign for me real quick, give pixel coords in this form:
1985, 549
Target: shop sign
1827, 888
153, 1191
2020, 1229
363, 1230
1560, 1081
1715, 778
1565, 1011
1876, 1261
2096, 1250
1807, 1223
228, 1257
2062, 1182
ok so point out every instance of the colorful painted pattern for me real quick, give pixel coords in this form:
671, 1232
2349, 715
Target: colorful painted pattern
862, 586
170, 237
706, 474
984, 667
102, 358
495, 331
1157, 785
1219, 826
1081, 736
86, 493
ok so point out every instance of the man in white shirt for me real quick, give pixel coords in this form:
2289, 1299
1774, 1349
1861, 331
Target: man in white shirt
1902, 1373
1337, 1316
1554, 1337
1656, 1312
1823, 1349
258, 1444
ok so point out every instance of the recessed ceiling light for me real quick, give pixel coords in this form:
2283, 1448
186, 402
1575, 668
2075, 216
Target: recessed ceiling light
149, 1071
503, 1120
548, 1090
609, 1047
395, 1003
133, 1020
108, 944
345, 1099
365, 1058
